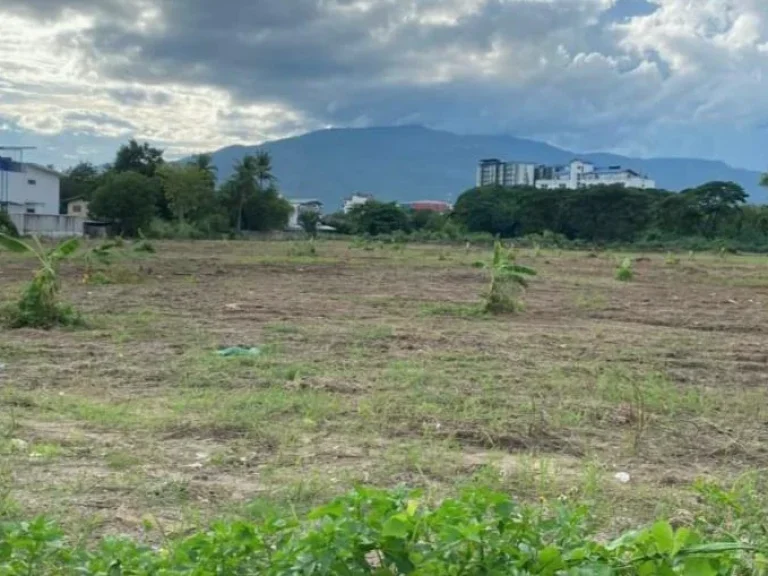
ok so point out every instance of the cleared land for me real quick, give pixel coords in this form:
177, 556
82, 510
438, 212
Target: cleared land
376, 369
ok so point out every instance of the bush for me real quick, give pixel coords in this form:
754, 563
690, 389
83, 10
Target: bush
395, 532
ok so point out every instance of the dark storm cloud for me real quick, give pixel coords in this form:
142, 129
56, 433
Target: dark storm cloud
328, 58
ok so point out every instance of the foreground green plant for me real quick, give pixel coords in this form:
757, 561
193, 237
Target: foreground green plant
96, 260
508, 281
307, 249
391, 533
624, 272
671, 260
7, 226
39, 306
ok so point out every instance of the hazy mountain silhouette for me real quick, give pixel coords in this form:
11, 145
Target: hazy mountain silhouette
411, 163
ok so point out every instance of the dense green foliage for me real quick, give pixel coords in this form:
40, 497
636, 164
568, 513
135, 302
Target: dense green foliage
141, 191
389, 533
127, 200
614, 213
374, 218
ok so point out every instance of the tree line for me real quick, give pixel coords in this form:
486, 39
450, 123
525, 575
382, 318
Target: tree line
141, 192
601, 214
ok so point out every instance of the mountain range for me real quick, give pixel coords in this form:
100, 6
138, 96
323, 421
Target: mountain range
408, 163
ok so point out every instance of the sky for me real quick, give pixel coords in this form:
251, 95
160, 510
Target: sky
638, 77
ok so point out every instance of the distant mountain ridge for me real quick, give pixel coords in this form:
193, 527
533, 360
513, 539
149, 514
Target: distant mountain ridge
408, 163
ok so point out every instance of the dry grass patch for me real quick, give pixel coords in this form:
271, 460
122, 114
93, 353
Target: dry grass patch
375, 368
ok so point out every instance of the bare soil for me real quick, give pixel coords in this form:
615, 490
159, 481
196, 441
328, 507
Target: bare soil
376, 368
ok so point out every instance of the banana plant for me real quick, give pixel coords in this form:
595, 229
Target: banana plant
39, 306
508, 281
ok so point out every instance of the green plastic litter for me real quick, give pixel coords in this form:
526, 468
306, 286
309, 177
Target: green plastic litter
239, 351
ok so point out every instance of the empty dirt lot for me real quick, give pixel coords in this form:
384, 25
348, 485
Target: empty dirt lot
375, 368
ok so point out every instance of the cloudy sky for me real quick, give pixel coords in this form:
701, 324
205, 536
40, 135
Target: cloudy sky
643, 77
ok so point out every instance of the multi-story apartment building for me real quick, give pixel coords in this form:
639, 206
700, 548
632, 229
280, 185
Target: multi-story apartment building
580, 174
576, 174
493, 171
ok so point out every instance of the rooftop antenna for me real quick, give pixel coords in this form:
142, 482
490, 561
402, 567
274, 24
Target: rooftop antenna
14, 163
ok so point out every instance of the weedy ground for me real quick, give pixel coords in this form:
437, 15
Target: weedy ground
378, 368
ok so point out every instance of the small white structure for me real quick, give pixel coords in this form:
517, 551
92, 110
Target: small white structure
77, 207
580, 174
493, 171
302, 205
356, 200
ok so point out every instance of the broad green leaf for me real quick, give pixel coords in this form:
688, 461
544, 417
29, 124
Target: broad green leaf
413, 505
395, 527
715, 548
698, 567
522, 269
647, 569
66, 248
664, 537
682, 536
550, 561
623, 540
14, 244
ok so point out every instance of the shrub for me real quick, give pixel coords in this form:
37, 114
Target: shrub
306, 249
39, 306
624, 272
387, 533
144, 245
671, 260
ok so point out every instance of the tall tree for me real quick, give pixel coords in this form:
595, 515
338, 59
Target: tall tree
204, 162
188, 189
141, 158
264, 175
126, 200
716, 201
241, 187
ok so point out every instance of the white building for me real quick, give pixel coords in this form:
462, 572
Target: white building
299, 206
29, 188
493, 171
30, 194
580, 174
356, 200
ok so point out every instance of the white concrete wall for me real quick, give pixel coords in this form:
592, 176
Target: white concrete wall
36, 186
48, 225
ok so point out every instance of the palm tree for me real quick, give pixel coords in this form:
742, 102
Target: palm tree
764, 180
204, 163
243, 185
264, 175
